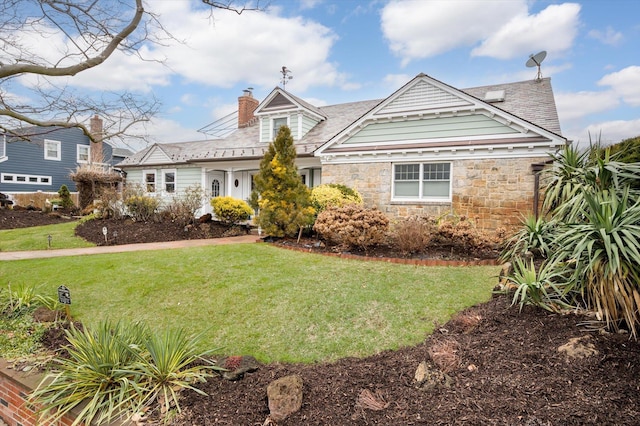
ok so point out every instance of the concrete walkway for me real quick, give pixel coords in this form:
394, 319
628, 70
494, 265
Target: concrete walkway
41, 254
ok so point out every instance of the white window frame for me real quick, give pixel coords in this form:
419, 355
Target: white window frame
164, 181
25, 179
421, 181
145, 184
3, 148
79, 149
58, 146
274, 130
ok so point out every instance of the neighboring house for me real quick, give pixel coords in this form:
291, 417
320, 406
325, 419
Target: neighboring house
43, 160
118, 155
427, 149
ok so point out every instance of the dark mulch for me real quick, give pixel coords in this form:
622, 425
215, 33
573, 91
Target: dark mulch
508, 371
127, 231
22, 218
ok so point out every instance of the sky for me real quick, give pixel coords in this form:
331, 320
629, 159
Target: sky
352, 50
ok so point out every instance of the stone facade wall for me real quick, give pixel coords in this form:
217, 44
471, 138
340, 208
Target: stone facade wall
492, 192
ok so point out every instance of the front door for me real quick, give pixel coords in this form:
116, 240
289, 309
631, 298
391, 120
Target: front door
216, 184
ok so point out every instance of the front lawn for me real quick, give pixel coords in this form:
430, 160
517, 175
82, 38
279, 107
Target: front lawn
259, 300
36, 238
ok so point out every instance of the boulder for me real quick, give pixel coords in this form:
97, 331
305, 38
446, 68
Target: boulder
578, 347
285, 397
237, 366
428, 377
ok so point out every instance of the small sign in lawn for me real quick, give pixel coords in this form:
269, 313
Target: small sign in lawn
64, 297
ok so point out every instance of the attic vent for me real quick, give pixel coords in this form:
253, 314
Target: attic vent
494, 96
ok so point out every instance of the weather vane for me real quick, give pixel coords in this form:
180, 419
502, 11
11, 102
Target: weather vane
286, 76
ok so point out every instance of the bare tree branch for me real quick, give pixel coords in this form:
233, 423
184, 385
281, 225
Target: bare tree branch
90, 62
35, 90
230, 5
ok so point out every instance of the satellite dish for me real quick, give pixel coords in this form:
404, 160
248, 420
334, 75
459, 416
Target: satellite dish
535, 61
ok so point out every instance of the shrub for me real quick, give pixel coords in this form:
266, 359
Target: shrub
535, 236
352, 226
461, 233
142, 208
109, 205
537, 287
183, 207
118, 369
65, 197
604, 253
413, 234
333, 194
282, 200
231, 210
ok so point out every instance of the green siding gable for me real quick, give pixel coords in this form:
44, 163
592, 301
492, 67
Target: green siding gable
308, 123
433, 128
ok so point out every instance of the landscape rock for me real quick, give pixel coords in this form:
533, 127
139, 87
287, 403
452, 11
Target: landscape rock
238, 366
579, 347
285, 397
428, 377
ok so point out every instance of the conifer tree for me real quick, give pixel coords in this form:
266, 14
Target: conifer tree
282, 200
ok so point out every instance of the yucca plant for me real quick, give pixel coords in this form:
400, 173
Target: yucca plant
577, 173
565, 180
118, 369
541, 288
172, 363
535, 236
605, 251
97, 371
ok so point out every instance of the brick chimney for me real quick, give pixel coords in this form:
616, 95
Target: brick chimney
95, 127
246, 105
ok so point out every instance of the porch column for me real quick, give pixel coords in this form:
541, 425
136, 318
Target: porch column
203, 185
229, 181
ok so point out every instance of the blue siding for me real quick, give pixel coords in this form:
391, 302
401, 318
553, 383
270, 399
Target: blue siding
27, 158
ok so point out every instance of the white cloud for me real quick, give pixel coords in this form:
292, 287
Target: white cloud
609, 36
396, 81
553, 29
163, 130
48, 45
505, 29
251, 48
423, 29
626, 83
309, 4
607, 132
572, 106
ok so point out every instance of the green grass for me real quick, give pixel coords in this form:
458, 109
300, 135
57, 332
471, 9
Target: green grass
36, 238
274, 304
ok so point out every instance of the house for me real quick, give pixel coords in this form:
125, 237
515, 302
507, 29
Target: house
427, 149
42, 160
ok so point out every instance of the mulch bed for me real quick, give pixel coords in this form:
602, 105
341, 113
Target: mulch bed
504, 367
508, 371
22, 218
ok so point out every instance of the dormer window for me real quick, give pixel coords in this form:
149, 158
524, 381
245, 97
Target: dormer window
276, 123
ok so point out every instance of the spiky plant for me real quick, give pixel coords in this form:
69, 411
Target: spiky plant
541, 288
97, 371
535, 236
169, 364
115, 370
604, 249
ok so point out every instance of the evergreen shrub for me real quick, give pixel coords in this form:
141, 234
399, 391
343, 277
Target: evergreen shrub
333, 194
142, 208
230, 210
